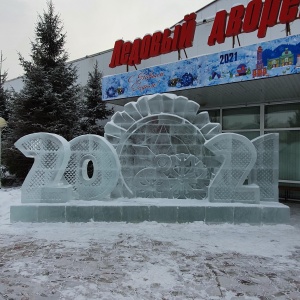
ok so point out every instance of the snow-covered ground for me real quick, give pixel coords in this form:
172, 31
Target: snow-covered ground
148, 260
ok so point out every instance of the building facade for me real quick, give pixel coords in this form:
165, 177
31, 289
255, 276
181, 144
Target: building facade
243, 67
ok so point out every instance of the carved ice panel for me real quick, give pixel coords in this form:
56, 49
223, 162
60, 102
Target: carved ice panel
238, 157
266, 169
105, 162
161, 128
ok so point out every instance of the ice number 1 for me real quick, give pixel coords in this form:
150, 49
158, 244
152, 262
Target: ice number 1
238, 157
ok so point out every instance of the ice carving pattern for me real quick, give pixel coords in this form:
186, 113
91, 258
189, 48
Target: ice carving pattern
51, 153
106, 167
266, 169
238, 158
159, 140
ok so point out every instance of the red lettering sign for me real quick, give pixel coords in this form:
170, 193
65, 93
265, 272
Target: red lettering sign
269, 16
258, 15
252, 15
166, 42
235, 21
115, 59
145, 47
153, 45
126, 49
134, 58
218, 30
187, 32
289, 11
177, 31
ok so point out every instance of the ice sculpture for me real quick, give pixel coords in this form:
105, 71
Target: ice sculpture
266, 169
158, 147
106, 167
160, 142
51, 154
238, 158
59, 172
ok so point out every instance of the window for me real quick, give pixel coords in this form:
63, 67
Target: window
285, 119
289, 155
214, 115
282, 116
241, 118
249, 134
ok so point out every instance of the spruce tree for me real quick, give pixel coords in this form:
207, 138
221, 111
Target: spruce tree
4, 94
47, 101
96, 108
5, 97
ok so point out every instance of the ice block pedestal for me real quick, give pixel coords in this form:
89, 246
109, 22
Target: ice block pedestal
153, 210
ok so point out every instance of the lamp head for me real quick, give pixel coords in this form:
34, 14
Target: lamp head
2, 123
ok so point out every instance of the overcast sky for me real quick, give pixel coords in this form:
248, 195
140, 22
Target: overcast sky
91, 25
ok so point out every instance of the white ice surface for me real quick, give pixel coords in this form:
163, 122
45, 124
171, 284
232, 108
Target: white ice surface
145, 261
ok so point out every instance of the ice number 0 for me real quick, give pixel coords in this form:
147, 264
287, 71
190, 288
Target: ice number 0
238, 157
104, 163
58, 162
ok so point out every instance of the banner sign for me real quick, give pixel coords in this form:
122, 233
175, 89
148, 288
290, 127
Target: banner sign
257, 15
128, 53
268, 59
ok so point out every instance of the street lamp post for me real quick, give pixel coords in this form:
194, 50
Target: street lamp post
2, 125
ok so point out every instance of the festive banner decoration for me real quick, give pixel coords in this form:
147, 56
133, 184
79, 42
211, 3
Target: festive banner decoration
269, 59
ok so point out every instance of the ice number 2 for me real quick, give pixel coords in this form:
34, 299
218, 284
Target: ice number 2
51, 154
238, 157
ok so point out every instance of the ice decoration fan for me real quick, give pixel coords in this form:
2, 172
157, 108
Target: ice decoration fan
160, 142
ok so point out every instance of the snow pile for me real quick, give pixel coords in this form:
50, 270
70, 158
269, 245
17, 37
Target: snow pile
147, 260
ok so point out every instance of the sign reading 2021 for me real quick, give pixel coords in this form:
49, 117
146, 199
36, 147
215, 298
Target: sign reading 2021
158, 147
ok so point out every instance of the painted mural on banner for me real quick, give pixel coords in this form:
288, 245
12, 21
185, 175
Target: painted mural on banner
268, 59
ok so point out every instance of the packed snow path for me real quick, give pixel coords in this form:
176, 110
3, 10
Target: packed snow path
147, 260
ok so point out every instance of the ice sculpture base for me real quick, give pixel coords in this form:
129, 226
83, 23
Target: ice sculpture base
153, 210
57, 194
